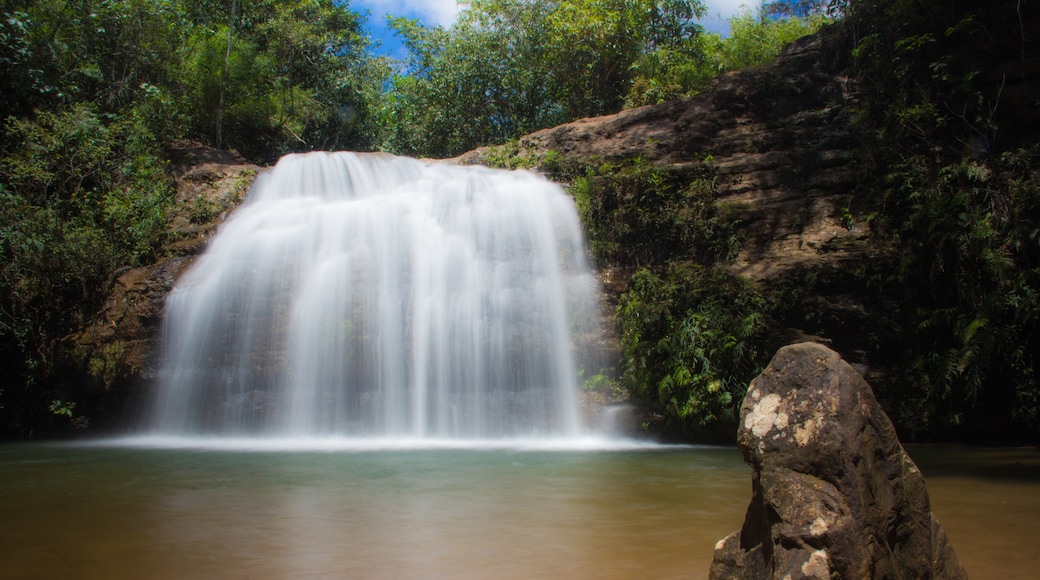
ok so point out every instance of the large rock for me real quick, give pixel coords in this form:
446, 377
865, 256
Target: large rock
834, 495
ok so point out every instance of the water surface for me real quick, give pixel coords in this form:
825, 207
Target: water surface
127, 512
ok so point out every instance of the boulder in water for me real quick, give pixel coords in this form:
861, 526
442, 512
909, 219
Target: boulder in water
834, 494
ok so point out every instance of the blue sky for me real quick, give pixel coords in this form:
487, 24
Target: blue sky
444, 12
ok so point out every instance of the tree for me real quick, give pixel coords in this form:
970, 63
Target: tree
688, 68
799, 8
509, 67
290, 76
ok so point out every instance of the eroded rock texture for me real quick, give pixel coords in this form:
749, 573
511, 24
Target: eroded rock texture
781, 140
834, 495
119, 345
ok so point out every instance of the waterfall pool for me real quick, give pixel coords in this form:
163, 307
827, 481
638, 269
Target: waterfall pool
119, 510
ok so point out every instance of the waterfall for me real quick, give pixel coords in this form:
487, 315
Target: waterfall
373, 295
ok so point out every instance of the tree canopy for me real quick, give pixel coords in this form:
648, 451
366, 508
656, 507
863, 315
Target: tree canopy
509, 67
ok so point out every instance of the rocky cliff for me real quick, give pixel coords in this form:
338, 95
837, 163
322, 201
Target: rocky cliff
789, 177
777, 138
785, 156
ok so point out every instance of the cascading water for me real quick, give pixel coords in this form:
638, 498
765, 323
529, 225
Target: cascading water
372, 295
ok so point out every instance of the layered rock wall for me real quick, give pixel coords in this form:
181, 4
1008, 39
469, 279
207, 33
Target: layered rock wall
779, 138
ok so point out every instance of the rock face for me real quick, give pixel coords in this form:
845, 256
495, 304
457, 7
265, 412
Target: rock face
780, 139
834, 495
119, 344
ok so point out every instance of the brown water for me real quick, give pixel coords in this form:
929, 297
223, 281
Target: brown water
89, 512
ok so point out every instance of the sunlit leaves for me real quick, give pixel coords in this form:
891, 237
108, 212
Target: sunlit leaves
693, 338
687, 68
509, 67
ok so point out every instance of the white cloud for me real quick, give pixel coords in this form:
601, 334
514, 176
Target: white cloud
443, 12
725, 8
720, 11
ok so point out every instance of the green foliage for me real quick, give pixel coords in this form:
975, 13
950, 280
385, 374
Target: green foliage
57, 52
965, 214
973, 297
693, 340
477, 83
81, 194
642, 215
670, 72
605, 387
59, 408
105, 175
274, 76
107, 366
509, 67
598, 42
89, 85
203, 210
800, 8
92, 89
693, 335
281, 76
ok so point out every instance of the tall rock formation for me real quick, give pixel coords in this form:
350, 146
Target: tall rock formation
834, 494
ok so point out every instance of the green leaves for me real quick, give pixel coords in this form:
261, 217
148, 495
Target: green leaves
678, 69
57, 407
646, 215
510, 67
81, 194
976, 305
963, 216
693, 340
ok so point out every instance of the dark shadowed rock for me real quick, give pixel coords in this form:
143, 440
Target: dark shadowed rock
834, 495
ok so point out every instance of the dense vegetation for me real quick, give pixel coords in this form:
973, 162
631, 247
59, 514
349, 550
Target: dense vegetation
95, 90
946, 99
92, 92
508, 67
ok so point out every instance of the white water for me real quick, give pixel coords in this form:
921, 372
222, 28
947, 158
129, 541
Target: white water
369, 295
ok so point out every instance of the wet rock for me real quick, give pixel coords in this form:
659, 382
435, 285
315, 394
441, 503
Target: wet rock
834, 495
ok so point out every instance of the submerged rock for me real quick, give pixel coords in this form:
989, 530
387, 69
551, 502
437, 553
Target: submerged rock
834, 494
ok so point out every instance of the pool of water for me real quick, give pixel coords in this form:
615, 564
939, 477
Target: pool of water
115, 511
